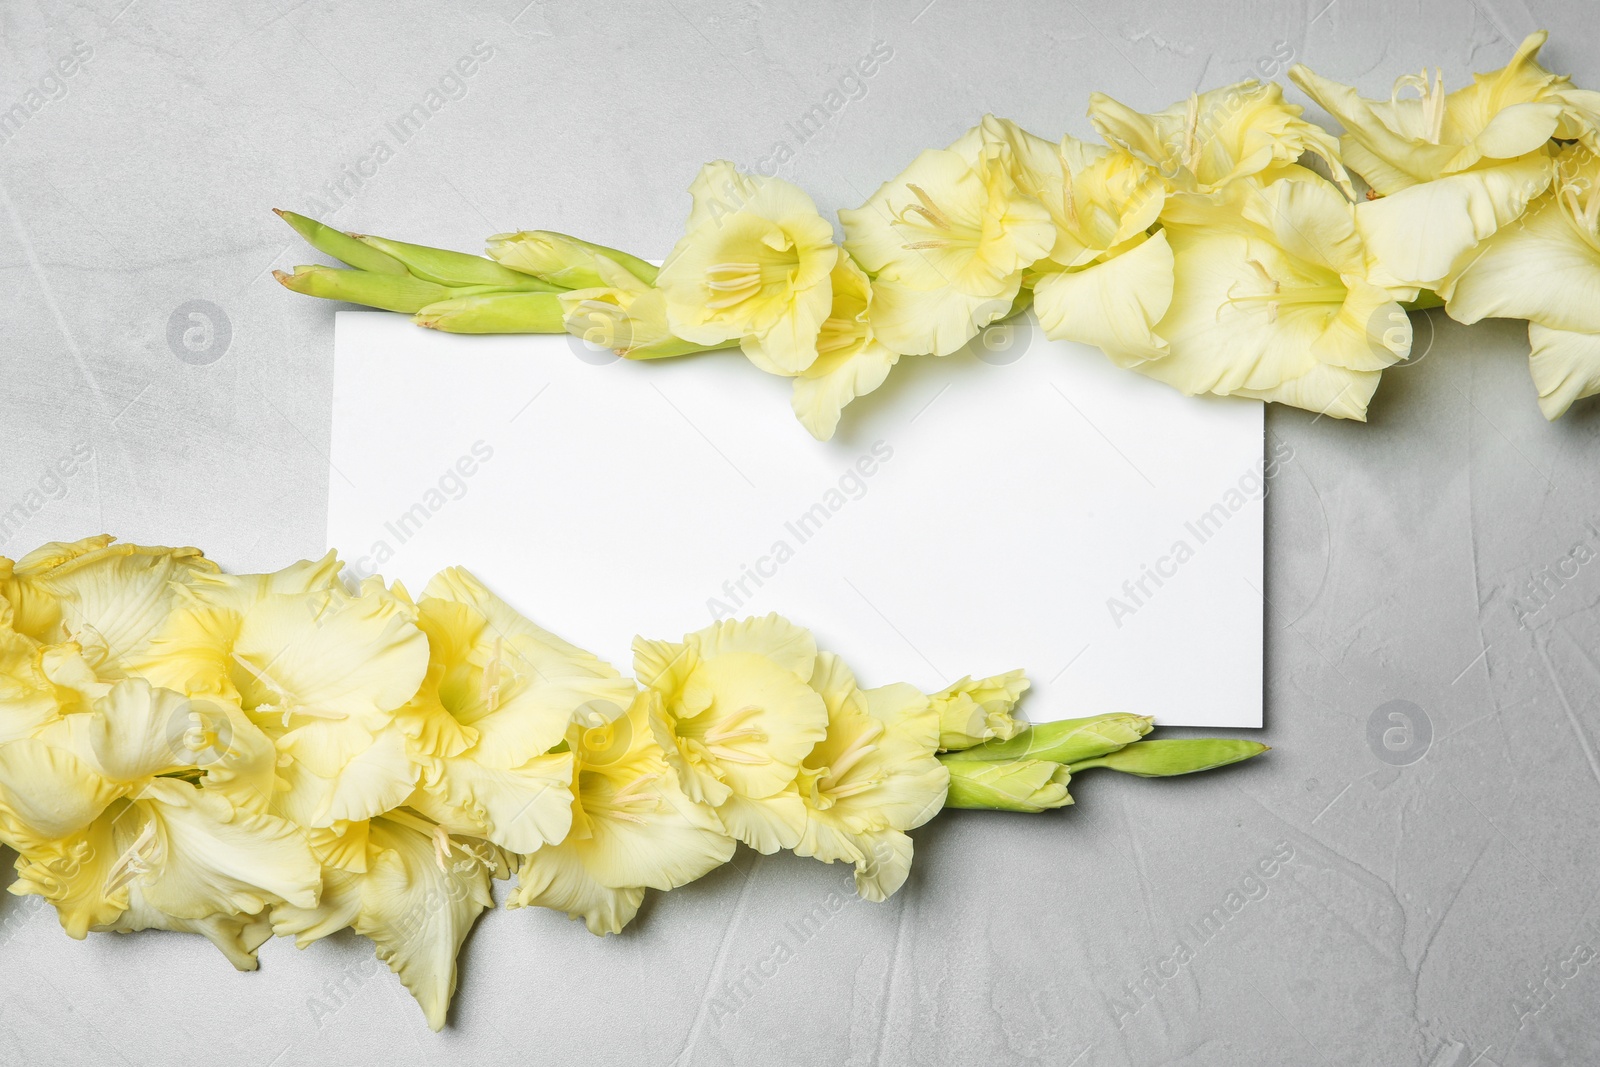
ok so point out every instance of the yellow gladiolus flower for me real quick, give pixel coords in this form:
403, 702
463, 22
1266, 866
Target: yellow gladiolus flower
109, 598
946, 244
321, 671
737, 715
147, 812
851, 361
625, 315
753, 267
632, 827
1107, 279
1271, 299
1546, 269
1217, 137
1453, 168
873, 777
416, 896
499, 695
1399, 143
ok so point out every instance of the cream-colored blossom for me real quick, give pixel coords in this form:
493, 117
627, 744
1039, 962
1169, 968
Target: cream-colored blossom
626, 315
632, 827
1272, 299
851, 361
871, 778
753, 267
1107, 278
1546, 269
1451, 169
1216, 137
108, 598
322, 671
737, 715
946, 243
499, 695
152, 804
416, 896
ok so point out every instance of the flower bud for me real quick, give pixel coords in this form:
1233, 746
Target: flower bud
495, 313
565, 261
972, 712
1014, 785
625, 315
341, 246
391, 292
454, 268
1167, 757
1067, 741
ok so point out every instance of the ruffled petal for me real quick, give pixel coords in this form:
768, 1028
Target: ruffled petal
1113, 304
1565, 365
557, 878
1540, 270
1416, 236
520, 809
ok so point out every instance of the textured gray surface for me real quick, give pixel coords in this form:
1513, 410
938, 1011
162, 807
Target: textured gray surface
1425, 911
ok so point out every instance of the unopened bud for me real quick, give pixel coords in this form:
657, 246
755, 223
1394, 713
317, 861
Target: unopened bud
455, 268
495, 313
1015, 785
1170, 756
566, 261
391, 292
1066, 741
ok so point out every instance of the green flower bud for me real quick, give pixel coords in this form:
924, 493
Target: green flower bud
1167, 757
455, 268
1067, 741
1014, 785
495, 312
391, 292
341, 246
566, 261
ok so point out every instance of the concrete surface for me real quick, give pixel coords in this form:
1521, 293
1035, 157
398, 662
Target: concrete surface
1433, 874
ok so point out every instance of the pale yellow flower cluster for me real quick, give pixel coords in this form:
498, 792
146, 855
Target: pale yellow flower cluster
1192, 246
248, 755
1219, 246
1486, 197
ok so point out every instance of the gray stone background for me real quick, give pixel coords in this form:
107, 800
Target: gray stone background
1437, 900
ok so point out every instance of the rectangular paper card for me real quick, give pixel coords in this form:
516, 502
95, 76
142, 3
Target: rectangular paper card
1022, 503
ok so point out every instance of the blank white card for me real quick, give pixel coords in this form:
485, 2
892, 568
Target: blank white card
1023, 503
